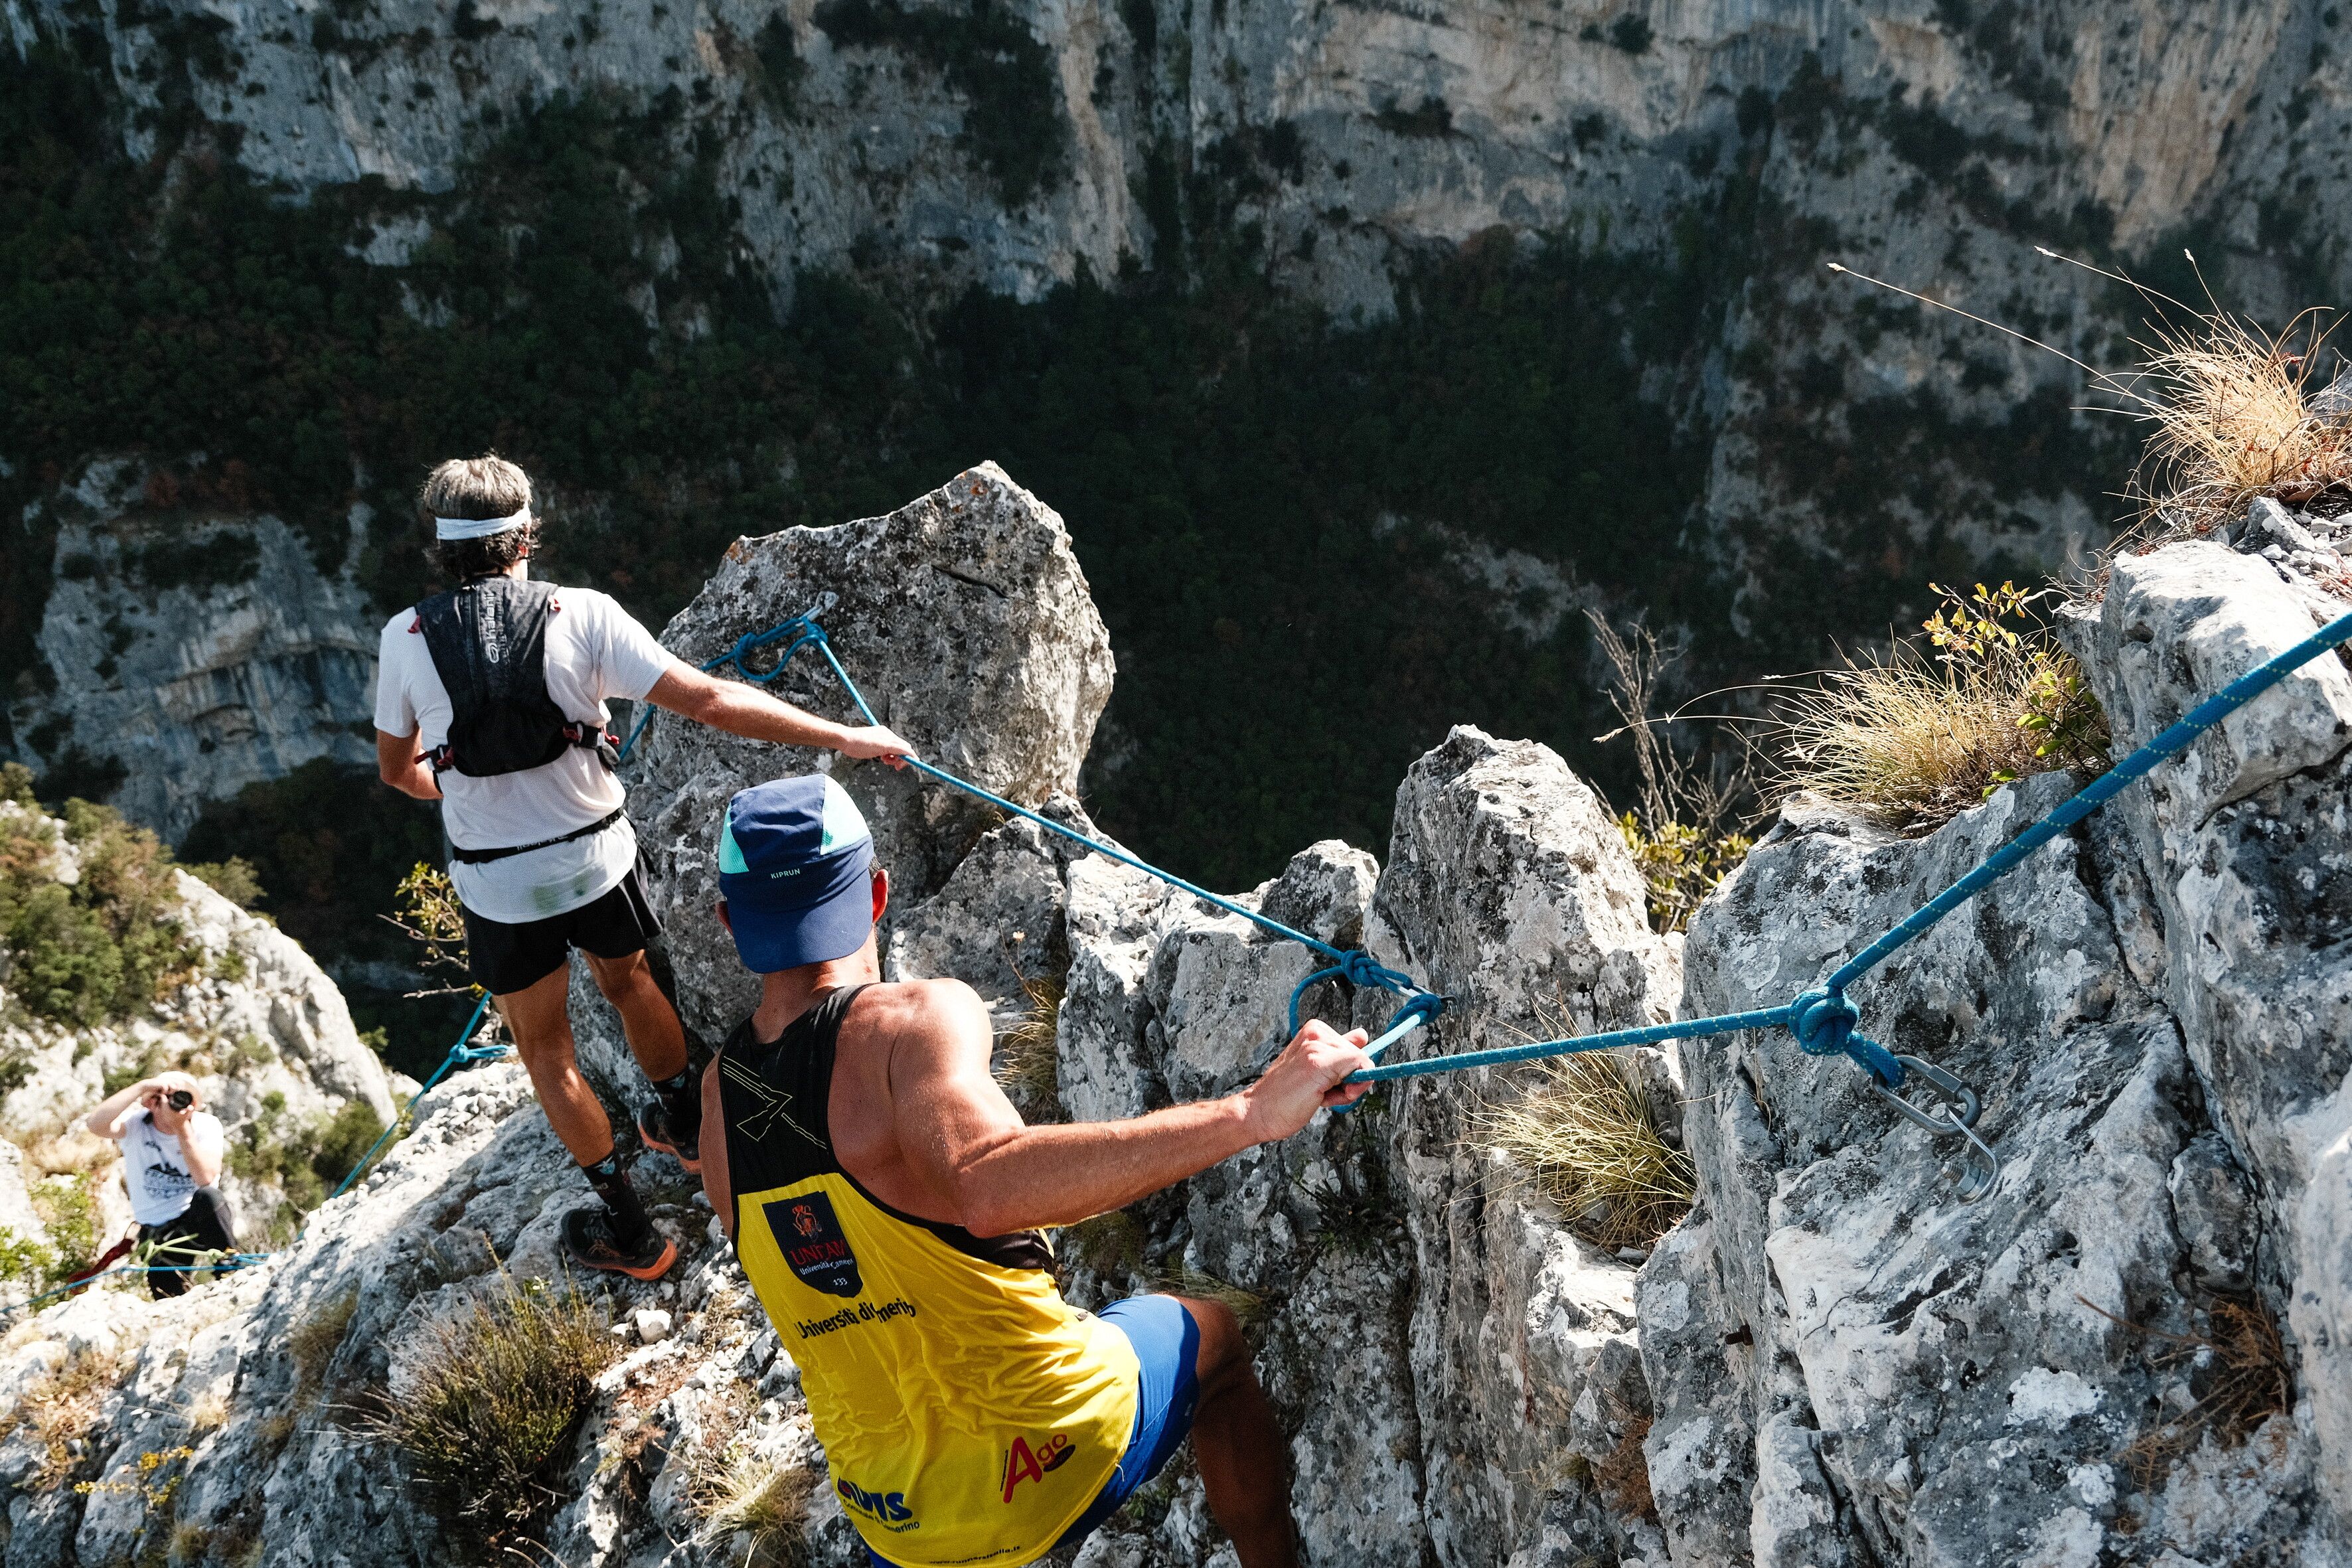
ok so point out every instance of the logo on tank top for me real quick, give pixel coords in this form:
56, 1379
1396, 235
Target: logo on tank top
808, 1232
887, 1510
1024, 1463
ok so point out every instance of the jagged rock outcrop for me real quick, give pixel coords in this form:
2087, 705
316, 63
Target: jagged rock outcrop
260, 1024
965, 622
1849, 1365
1829, 1361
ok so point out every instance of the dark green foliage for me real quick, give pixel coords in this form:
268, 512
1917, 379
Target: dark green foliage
220, 561
781, 65
76, 773
307, 1162
1632, 34
105, 947
1431, 119
329, 844
1224, 523
468, 23
1011, 127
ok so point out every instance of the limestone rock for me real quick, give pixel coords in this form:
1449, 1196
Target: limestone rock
202, 688
1508, 887
965, 621
1948, 1384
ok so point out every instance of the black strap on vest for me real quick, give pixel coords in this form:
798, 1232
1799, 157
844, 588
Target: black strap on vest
773, 1099
488, 639
484, 857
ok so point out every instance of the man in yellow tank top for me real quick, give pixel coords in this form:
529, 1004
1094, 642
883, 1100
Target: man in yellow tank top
886, 1199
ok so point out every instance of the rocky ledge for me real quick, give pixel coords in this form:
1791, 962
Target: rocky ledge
2131, 1352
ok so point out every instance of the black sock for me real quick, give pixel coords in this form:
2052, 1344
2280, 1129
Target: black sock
682, 1098
630, 1225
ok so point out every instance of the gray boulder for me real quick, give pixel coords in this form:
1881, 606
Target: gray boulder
964, 620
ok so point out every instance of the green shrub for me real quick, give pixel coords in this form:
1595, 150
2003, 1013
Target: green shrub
232, 878
307, 1162
495, 1398
104, 948
26, 1259
67, 1206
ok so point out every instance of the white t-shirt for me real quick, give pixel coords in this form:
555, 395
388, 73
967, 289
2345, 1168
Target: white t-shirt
595, 649
155, 1165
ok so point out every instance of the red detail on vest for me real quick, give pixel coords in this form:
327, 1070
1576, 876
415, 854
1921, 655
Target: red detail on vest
1024, 1463
416, 626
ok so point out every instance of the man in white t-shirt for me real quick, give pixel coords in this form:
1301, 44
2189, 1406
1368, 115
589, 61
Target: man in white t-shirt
173, 1149
542, 853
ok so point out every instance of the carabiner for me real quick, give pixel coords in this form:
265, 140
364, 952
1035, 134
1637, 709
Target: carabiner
1956, 1117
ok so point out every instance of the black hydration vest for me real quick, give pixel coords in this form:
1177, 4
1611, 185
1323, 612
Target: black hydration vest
488, 639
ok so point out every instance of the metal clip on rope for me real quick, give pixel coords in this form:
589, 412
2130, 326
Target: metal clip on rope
1980, 1171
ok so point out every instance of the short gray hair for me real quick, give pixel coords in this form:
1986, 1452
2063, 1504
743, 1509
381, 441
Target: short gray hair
480, 488
476, 488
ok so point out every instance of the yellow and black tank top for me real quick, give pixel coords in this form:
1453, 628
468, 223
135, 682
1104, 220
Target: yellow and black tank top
969, 1414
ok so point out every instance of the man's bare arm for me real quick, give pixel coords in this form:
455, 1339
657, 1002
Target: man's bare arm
114, 1111
747, 711
717, 1184
400, 765
962, 1136
205, 1151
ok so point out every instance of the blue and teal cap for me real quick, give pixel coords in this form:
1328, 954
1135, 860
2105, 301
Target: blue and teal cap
794, 859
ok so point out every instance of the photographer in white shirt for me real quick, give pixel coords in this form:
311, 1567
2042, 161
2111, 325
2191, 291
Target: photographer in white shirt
172, 1150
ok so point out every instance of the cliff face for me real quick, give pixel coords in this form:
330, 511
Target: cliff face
1832, 1360
197, 659
1721, 151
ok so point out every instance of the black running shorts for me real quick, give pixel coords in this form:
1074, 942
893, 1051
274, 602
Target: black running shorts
504, 958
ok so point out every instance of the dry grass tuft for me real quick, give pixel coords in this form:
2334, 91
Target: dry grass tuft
59, 1410
1912, 742
313, 1341
1031, 1070
1584, 1132
1245, 1305
1624, 1475
499, 1393
2227, 404
2230, 420
2237, 1372
734, 1491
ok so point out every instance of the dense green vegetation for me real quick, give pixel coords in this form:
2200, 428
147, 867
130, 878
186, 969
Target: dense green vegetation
1229, 461
104, 946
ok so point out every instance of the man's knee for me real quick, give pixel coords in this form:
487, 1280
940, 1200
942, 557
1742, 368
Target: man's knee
1223, 1351
617, 977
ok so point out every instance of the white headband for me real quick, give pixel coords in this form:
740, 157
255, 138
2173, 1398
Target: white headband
477, 528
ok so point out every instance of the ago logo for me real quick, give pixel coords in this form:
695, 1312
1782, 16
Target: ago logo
1024, 1463
884, 1508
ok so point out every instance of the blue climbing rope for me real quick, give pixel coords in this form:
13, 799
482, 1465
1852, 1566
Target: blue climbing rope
1357, 967
1823, 1021
464, 1053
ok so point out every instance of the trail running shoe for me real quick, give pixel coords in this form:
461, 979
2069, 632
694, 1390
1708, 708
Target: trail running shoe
655, 1128
588, 1238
